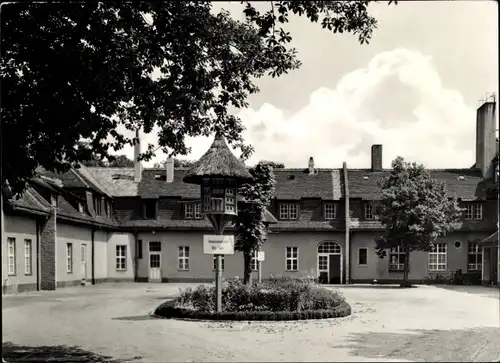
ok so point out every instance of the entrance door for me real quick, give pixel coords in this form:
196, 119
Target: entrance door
83, 265
154, 261
334, 269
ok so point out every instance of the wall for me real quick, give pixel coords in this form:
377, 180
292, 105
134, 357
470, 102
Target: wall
100, 255
77, 235
126, 239
377, 268
20, 228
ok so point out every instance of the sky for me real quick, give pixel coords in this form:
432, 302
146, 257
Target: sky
414, 89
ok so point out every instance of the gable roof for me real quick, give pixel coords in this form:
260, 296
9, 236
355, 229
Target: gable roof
117, 182
294, 184
466, 184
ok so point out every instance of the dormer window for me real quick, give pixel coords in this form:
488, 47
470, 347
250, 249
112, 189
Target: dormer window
97, 204
80, 207
150, 209
473, 211
192, 211
369, 211
53, 200
106, 208
288, 211
330, 211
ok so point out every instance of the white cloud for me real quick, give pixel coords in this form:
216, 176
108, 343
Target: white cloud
397, 100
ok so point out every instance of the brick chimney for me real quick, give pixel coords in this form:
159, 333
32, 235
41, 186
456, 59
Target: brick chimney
169, 168
376, 157
311, 165
137, 163
485, 135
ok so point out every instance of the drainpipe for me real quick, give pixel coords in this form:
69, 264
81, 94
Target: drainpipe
136, 256
347, 227
38, 264
93, 255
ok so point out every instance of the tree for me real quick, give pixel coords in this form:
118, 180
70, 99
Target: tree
178, 163
76, 71
250, 229
415, 210
115, 161
276, 165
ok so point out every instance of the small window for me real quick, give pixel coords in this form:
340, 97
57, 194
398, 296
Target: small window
369, 211
475, 257
98, 205
69, 258
192, 211
121, 258
150, 209
473, 211
214, 267
363, 256
330, 211
53, 200
154, 246
397, 259
292, 258
254, 263
183, 258
80, 207
28, 257
11, 243
197, 211
288, 211
458, 244
106, 208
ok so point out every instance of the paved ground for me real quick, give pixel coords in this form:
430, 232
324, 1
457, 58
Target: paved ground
388, 324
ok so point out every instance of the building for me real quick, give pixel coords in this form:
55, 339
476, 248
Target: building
132, 224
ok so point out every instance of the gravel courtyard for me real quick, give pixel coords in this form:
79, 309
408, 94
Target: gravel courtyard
112, 323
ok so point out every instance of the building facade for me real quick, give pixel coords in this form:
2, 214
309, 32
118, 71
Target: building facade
94, 224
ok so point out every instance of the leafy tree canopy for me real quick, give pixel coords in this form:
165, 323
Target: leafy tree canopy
415, 209
250, 229
115, 161
76, 71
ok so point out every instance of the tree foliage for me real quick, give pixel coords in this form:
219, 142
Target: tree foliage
77, 71
415, 210
178, 163
250, 229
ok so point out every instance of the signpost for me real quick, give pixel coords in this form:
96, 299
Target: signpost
261, 256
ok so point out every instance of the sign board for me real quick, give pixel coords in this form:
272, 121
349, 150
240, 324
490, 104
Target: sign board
261, 256
218, 245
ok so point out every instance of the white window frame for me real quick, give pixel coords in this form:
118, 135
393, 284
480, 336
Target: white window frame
214, 263
474, 250
11, 252
183, 258
330, 211
189, 211
473, 211
438, 249
121, 257
197, 211
369, 215
398, 266
359, 254
28, 257
69, 257
254, 262
53, 200
291, 258
288, 211
80, 207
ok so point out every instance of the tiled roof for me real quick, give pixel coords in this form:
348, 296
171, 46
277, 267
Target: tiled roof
295, 184
92, 182
117, 182
154, 187
466, 184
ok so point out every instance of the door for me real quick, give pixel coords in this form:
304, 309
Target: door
334, 269
154, 261
83, 260
323, 269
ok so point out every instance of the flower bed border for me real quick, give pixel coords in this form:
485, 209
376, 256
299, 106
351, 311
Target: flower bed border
167, 310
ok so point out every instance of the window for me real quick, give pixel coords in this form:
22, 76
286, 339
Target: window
28, 269
53, 200
214, 267
192, 211
292, 258
254, 263
437, 257
150, 209
106, 208
183, 258
80, 207
11, 243
363, 256
197, 211
396, 259
368, 211
473, 211
475, 257
121, 258
97, 205
288, 211
330, 211
69, 257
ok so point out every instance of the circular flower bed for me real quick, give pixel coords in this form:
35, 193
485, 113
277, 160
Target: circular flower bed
276, 299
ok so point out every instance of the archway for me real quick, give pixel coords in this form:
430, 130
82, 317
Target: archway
329, 262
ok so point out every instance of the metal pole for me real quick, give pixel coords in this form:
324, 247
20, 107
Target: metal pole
260, 272
218, 283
